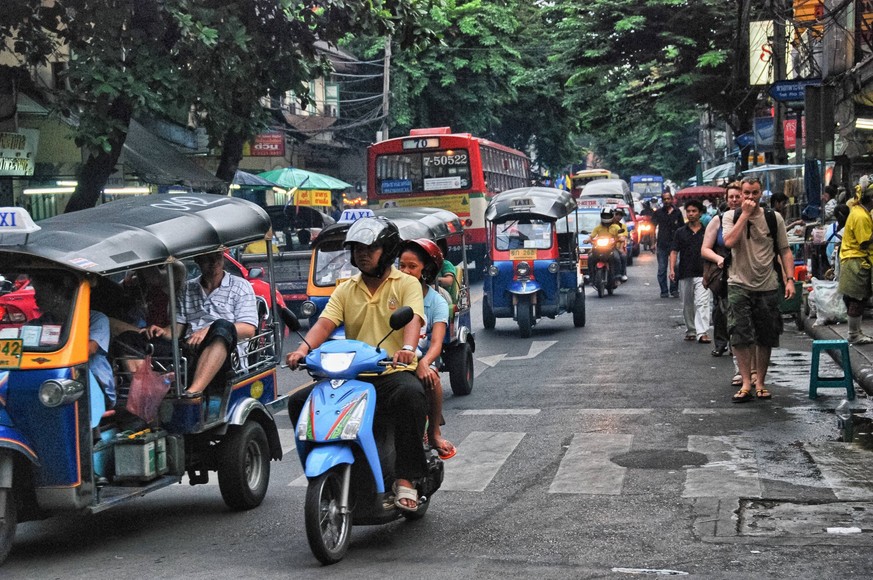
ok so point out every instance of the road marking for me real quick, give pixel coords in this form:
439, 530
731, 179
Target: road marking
288, 442
500, 412
732, 469
587, 467
537, 347
480, 456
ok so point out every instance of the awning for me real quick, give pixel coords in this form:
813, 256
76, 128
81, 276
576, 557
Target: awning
155, 161
716, 174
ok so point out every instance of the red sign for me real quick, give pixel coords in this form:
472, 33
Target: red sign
789, 132
267, 145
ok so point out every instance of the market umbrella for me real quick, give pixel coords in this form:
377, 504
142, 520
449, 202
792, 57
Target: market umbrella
291, 177
246, 179
700, 192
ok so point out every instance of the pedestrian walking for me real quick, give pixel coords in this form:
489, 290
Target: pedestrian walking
759, 245
715, 251
855, 264
686, 266
667, 219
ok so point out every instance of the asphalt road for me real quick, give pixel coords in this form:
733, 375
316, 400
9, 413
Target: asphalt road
602, 451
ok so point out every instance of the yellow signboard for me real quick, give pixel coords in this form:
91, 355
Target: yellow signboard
10, 353
312, 197
522, 254
458, 204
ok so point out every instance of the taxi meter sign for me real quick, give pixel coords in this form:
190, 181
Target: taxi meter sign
15, 220
352, 215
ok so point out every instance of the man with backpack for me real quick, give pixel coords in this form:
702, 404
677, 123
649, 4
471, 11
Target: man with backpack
761, 263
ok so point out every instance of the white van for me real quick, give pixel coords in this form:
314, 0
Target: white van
608, 189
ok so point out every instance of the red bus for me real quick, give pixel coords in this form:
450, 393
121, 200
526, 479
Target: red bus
454, 171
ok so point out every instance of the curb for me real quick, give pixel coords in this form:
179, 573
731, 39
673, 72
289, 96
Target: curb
862, 365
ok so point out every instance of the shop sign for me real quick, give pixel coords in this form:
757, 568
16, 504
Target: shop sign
265, 145
18, 152
312, 197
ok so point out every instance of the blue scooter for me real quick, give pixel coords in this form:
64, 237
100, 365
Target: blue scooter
347, 459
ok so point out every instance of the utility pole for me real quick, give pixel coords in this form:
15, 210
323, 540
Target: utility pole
777, 8
386, 89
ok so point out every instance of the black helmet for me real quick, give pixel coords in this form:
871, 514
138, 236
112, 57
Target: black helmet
606, 216
375, 231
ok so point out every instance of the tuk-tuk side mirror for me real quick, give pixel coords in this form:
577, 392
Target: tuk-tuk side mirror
290, 320
256, 272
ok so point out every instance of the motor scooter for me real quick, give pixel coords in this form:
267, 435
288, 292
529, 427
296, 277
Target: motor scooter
603, 276
346, 458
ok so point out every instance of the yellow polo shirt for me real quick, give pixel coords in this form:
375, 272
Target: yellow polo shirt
366, 315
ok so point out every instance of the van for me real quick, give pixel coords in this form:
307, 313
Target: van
608, 189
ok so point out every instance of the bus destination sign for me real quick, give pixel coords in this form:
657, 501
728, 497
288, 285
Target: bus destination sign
422, 143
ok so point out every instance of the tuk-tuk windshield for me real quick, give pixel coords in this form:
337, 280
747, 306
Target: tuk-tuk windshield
332, 263
37, 308
528, 233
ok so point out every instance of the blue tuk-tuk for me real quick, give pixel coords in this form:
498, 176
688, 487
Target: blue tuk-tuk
531, 268
61, 449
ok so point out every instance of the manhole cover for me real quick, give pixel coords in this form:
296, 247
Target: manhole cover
659, 459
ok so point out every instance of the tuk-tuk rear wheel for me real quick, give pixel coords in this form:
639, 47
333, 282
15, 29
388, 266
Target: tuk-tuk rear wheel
244, 468
460, 364
8, 523
579, 310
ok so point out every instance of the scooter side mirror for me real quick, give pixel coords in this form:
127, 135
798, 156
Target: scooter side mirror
290, 320
400, 318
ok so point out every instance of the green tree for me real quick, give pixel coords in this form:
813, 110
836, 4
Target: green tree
157, 56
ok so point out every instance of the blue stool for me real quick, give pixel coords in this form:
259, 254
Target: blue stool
818, 382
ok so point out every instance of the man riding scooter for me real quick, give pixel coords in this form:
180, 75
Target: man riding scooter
364, 303
607, 229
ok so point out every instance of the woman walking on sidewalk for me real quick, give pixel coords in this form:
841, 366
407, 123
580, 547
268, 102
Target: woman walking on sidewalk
856, 263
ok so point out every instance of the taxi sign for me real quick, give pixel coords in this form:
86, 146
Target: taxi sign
10, 353
15, 220
352, 215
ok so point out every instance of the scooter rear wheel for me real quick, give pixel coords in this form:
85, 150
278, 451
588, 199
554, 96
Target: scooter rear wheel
328, 530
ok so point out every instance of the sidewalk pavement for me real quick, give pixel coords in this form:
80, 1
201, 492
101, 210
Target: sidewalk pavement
861, 356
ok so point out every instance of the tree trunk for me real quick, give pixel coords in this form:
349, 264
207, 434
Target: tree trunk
231, 154
101, 164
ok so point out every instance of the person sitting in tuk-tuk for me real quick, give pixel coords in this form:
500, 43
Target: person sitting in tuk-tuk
448, 274
422, 259
220, 313
606, 228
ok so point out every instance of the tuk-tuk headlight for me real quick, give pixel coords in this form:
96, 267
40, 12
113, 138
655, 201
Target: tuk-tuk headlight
553, 268
56, 392
493, 271
308, 309
522, 269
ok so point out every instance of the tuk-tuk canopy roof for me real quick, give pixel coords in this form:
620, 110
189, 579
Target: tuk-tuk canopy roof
140, 231
541, 202
422, 222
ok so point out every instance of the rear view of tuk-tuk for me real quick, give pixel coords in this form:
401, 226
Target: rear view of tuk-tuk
69, 437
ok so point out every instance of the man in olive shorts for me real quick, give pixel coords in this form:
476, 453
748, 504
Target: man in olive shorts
754, 292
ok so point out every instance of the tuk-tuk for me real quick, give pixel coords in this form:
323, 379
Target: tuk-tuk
331, 265
61, 449
531, 268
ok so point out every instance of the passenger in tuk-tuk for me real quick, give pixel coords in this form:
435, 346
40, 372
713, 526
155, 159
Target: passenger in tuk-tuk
422, 259
364, 304
220, 313
448, 274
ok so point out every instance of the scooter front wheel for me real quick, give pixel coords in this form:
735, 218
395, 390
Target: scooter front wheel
328, 527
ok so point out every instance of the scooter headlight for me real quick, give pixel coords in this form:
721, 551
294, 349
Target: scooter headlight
56, 392
603, 242
304, 423
522, 269
308, 309
336, 362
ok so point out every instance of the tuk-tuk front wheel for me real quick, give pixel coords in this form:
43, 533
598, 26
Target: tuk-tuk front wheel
460, 364
524, 317
244, 467
8, 521
328, 527
489, 321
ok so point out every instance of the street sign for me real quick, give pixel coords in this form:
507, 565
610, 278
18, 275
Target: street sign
791, 91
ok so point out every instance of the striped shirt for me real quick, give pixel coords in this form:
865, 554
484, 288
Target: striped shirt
233, 300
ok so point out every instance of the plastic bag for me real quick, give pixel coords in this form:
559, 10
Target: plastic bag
829, 305
147, 389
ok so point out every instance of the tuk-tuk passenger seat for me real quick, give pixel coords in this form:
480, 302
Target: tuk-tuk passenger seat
566, 257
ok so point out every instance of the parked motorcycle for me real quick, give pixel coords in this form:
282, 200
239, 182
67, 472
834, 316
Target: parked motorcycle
347, 459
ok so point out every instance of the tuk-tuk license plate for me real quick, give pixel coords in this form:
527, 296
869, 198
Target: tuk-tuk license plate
10, 353
526, 254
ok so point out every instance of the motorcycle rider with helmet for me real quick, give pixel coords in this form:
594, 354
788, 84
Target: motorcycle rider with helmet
606, 228
364, 304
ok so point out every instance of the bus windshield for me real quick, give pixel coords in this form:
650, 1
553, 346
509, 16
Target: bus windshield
427, 171
643, 186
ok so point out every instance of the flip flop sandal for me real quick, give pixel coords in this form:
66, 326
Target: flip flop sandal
690, 337
402, 492
704, 339
742, 396
737, 381
447, 454
763, 394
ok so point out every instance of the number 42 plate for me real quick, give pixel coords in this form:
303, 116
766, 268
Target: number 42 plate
10, 353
